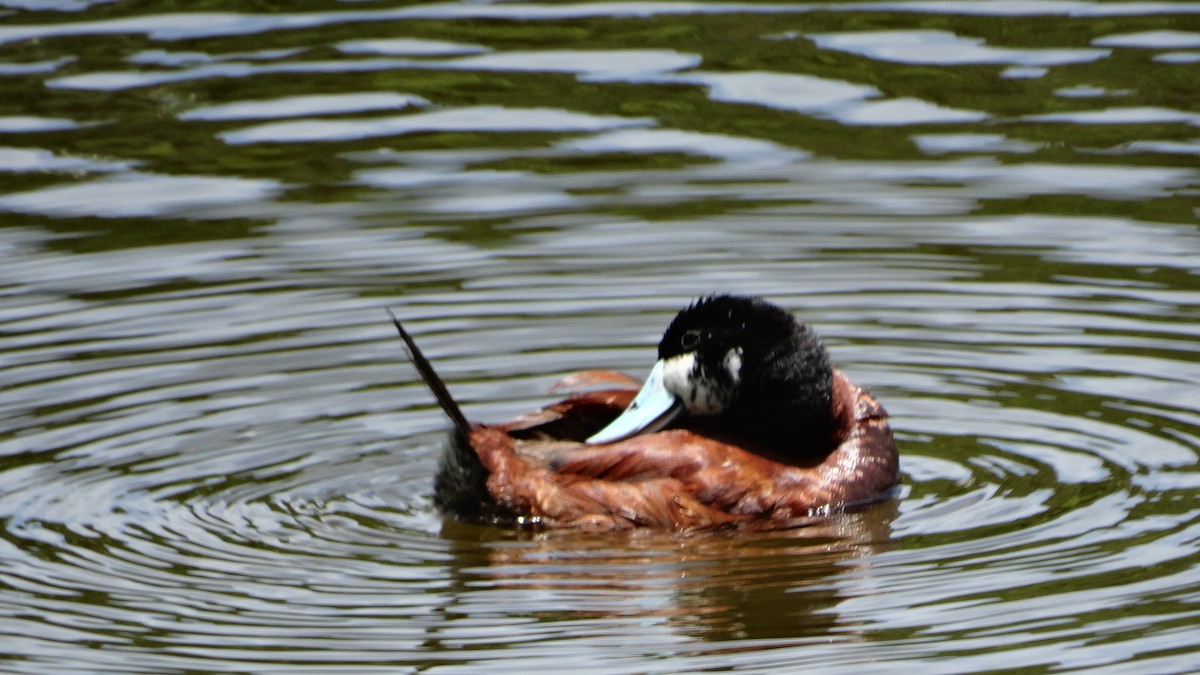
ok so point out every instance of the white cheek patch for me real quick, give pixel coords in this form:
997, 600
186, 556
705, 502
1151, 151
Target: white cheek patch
733, 364
701, 393
677, 374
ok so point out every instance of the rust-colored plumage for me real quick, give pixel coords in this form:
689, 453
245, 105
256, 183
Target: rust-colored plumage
698, 474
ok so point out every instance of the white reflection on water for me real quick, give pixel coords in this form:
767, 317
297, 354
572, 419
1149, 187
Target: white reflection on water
478, 118
1178, 57
28, 160
412, 177
801, 93
503, 198
1128, 115
314, 104
945, 48
1023, 72
1168, 147
137, 194
1152, 39
721, 146
23, 124
908, 110
822, 97
35, 67
626, 65
119, 80
938, 144
1089, 91
408, 47
162, 57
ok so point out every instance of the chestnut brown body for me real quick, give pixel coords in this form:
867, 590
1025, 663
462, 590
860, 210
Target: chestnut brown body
537, 469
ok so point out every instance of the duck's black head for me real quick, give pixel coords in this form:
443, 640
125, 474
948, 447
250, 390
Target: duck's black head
745, 366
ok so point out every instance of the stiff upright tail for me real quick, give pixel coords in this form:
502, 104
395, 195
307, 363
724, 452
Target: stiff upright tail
431, 379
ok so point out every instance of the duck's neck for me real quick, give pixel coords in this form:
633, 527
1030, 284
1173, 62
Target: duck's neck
797, 424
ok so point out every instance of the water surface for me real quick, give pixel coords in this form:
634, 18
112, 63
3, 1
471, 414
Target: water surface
213, 456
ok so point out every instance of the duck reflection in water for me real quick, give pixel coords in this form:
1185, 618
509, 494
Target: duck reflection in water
743, 422
714, 587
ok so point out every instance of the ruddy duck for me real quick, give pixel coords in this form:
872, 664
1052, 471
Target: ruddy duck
742, 422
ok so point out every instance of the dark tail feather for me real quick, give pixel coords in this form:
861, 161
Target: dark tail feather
435, 384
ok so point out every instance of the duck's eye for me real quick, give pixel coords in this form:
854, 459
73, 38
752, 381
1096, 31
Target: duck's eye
690, 340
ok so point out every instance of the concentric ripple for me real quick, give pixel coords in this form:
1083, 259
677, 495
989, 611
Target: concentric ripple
181, 499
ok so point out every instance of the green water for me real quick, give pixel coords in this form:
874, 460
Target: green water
214, 458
